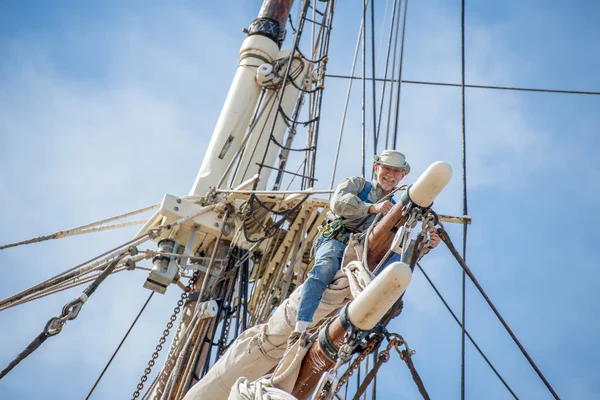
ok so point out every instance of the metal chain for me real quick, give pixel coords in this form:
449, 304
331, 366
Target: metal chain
394, 341
406, 356
354, 365
229, 311
163, 339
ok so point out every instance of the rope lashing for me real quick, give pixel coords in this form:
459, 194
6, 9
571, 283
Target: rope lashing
87, 228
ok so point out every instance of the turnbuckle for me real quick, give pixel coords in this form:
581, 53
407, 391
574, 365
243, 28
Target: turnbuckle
327, 386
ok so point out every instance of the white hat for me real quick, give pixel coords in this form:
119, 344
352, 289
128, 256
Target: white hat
392, 158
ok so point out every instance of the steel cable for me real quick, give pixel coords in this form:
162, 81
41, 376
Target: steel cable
465, 212
119, 346
400, 62
346, 102
55, 324
466, 332
444, 236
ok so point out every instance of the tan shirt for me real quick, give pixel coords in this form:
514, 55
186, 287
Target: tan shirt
345, 203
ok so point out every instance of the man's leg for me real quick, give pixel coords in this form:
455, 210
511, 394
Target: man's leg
328, 257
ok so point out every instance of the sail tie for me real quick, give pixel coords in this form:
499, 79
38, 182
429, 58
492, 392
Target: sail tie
243, 389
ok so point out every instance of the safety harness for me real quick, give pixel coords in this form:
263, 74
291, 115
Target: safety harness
337, 229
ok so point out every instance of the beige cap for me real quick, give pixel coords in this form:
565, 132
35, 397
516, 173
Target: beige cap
392, 158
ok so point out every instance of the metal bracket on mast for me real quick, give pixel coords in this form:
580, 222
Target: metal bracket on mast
190, 233
267, 27
164, 268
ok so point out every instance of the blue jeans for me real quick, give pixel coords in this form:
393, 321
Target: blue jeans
328, 259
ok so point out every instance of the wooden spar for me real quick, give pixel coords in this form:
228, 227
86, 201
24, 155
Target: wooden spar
315, 362
422, 193
382, 236
276, 10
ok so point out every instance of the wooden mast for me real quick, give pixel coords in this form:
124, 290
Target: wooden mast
276, 10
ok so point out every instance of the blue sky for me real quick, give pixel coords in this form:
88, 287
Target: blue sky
105, 106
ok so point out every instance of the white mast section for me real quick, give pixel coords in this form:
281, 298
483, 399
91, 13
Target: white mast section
259, 138
236, 114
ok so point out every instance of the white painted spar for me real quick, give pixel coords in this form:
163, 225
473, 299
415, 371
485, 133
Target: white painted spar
367, 309
430, 183
236, 113
258, 141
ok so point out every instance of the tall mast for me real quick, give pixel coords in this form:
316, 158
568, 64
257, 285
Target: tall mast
265, 35
261, 46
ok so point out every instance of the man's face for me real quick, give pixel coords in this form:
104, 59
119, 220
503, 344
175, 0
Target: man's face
388, 177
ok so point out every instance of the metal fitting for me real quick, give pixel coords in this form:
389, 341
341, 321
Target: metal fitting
161, 262
130, 265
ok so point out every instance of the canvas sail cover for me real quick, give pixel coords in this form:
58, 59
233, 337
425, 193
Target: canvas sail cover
261, 348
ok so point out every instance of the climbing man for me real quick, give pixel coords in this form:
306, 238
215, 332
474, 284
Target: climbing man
354, 206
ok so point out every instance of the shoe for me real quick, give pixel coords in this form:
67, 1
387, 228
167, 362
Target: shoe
292, 339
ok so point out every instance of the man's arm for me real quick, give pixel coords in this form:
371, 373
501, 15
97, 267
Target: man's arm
345, 201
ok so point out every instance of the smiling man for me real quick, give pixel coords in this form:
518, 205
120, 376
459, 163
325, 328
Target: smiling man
354, 206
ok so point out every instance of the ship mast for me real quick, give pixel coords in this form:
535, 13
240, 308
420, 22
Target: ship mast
264, 38
260, 47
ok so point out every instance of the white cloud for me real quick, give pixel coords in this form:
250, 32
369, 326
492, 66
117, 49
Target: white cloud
76, 151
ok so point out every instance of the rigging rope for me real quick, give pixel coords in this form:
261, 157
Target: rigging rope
444, 236
57, 289
464, 187
387, 63
77, 271
371, 375
374, 387
362, 109
373, 71
400, 74
304, 149
315, 97
390, 101
380, 46
406, 356
120, 344
346, 102
471, 86
87, 228
286, 77
69, 312
166, 332
466, 332
316, 102
83, 269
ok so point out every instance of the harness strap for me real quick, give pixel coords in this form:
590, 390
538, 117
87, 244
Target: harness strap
336, 229
364, 194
